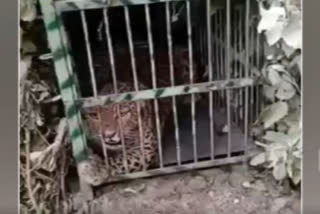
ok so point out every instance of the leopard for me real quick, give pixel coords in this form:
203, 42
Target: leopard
113, 122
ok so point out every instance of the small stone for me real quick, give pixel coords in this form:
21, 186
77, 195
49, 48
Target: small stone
246, 184
197, 183
260, 186
236, 201
236, 179
278, 204
211, 194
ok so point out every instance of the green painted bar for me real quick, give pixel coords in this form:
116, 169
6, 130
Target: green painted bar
65, 78
73, 5
166, 92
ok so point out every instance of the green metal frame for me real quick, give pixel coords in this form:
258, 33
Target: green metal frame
65, 77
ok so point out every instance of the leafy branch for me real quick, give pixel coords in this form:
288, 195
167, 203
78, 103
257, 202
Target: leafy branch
280, 120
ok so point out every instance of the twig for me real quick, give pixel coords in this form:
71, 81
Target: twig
41, 136
62, 174
52, 99
28, 179
54, 147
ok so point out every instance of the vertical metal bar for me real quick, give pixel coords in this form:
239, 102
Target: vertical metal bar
115, 85
258, 68
228, 70
251, 65
154, 82
221, 44
210, 79
135, 80
247, 10
194, 132
217, 61
93, 79
235, 67
174, 106
88, 48
64, 73
241, 74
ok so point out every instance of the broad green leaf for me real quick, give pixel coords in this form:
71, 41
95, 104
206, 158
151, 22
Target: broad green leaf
258, 159
285, 91
279, 171
278, 137
269, 92
275, 154
28, 10
293, 118
273, 113
274, 77
296, 177
272, 22
292, 33
282, 126
288, 50
289, 165
295, 104
278, 67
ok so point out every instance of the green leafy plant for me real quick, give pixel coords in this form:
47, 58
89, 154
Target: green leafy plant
281, 118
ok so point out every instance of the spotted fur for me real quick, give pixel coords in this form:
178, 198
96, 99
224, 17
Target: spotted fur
103, 123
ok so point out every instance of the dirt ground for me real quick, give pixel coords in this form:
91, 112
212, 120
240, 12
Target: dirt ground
211, 191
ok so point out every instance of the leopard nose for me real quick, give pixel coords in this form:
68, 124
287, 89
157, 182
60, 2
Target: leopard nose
109, 134
116, 138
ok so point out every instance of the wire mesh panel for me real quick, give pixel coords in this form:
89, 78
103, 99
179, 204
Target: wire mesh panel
165, 86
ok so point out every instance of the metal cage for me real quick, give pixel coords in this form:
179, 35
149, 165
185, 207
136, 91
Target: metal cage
222, 43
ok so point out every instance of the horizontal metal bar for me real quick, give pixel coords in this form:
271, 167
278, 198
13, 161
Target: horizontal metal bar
176, 169
74, 5
165, 92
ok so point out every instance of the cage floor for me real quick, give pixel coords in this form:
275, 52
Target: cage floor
203, 136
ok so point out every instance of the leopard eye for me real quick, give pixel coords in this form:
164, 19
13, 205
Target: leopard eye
93, 115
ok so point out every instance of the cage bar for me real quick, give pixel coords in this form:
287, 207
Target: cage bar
93, 79
228, 74
172, 81
235, 68
181, 168
217, 59
66, 82
89, 54
247, 27
251, 65
222, 53
135, 80
165, 92
241, 70
154, 83
75, 5
210, 79
258, 102
115, 85
194, 130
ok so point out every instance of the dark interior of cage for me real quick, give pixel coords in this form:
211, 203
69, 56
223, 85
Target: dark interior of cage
179, 32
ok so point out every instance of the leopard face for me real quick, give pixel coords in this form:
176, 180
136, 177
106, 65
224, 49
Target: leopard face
105, 122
